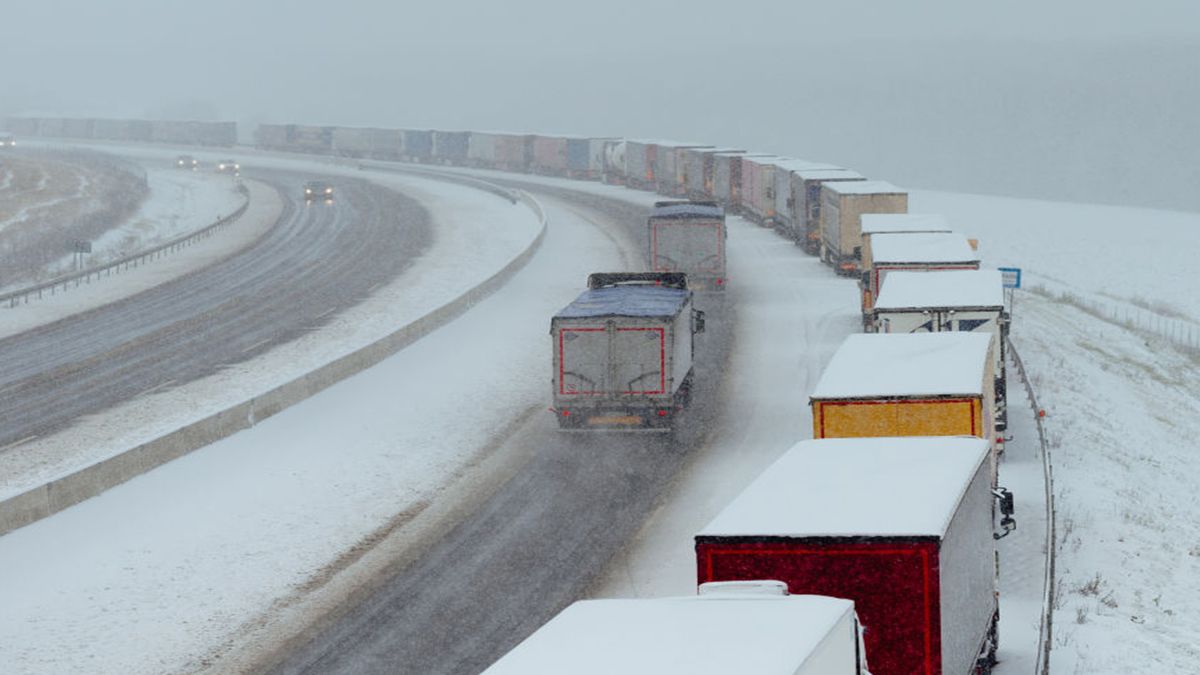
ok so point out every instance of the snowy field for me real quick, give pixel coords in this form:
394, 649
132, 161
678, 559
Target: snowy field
1123, 415
180, 202
255, 522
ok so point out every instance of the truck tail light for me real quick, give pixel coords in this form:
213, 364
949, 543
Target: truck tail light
663, 412
720, 281
565, 412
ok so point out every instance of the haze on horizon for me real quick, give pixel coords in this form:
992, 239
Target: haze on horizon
1074, 100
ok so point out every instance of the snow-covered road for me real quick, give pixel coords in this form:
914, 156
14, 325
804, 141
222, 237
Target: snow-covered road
190, 556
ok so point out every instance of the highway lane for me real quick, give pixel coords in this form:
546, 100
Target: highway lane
318, 258
542, 539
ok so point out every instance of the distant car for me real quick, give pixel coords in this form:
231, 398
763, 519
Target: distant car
186, 162
6, 140
318, 190
228, 166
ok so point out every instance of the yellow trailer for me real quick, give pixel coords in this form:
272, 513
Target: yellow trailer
916, 384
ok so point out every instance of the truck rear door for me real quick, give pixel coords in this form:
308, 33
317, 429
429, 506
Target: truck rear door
583, 361
611, 360
639, 361
686, 245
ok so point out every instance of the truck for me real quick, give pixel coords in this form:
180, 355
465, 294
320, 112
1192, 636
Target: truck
623, 353
727, 176
670, 171
698, 170
750, 629
688, 237
965, 301
903, 527
912, 252
842, 204
872, 224
764, 192
801, 213
911, 384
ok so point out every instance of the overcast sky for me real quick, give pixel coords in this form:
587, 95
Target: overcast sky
251, 57
1095, 87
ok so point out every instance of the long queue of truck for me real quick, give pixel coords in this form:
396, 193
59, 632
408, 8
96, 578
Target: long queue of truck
874, 542
894, 506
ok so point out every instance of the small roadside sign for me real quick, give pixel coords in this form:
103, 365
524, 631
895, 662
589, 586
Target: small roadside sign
1010, 276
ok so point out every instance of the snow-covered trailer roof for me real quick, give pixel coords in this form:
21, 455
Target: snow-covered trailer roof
909, 486
921, 247
906, 365
788, 164
716, 151
880, 223
698, 635
687, 210
863, 187
951, 289
639, 301
827, 174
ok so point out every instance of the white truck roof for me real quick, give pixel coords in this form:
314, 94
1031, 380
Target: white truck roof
844, 487
667, 144
802, 165
949, 289
882, 365
878, 223
921, 247
699, 635
864, 187
828, 174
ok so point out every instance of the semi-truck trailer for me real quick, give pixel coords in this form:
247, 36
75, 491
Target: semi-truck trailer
750, 629
911, 252
904, 527
842, 204
623, 353
688, 237
918, 384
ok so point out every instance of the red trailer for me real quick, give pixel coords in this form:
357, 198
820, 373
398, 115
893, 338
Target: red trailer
901, 526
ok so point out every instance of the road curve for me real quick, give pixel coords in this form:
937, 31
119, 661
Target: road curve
539, 542
317, 259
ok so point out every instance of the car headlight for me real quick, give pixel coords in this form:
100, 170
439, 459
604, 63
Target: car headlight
328, 191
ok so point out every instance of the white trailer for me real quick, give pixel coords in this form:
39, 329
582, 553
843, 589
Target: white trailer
719, 632
688, 237
911, 252
897, 223
904, 527
623, 353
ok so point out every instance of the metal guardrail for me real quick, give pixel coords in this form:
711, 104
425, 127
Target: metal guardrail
52, 287
1042, 664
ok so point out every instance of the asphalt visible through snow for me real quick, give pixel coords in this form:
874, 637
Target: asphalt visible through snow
318, 258
538, 543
